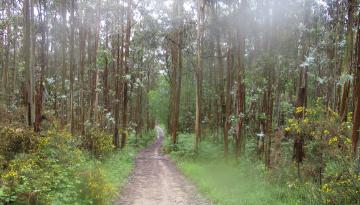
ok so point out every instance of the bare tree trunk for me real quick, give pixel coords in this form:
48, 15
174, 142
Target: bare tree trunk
7, 59
82, 76
15, 36
175, 75
126, 73
63, 60
356, 118
240, 98
118, 85
40, 81
347, 61
298, 150
95, 69
221, 100
28, 62
173, 87
199, 69
106, 73
72, 64
228, 103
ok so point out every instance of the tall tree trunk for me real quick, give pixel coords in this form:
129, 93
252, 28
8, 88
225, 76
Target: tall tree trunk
28, 62
82, 76
199, 69
106, 72
176, 71
95, 69
63, 60
356, 118
228, 98
173, 87
221, 100
7, 58
15, 36
240, 96
72, 65
118, 74
40, 81
298, 150
347, 61
126, 73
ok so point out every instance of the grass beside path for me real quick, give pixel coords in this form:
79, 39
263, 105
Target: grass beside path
227, 182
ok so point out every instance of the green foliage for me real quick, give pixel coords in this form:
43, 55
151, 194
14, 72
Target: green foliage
38, 175
225, 181
98, 142
53, 169
142, 139
184, 148
328, 161
159, 100
14, 140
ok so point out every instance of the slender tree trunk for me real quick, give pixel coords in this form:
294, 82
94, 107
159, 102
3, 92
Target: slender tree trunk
40, 81
28, 61
82, 76
126, 73
173, 88
347, 65
7, 58
15, 36
240, 95
63, 60
221, 99
118, 74
199, 69
176, 71
72, 65
228, 102
298, 149
95, 69
178, 86
106, 73
356, 118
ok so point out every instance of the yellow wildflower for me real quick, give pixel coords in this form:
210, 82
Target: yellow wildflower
326, 188
326, 132
310, 111
299, 109
306, 120
287, 129
11, 174
333, 139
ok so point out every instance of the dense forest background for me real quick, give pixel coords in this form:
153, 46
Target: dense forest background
271, 81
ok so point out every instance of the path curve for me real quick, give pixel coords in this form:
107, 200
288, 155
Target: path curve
157, 181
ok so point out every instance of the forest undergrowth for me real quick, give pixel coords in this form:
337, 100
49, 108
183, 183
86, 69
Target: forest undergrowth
326, 174
54, 167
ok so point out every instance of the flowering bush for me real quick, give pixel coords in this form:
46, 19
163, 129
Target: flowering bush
97, 142
50, 168
327, 147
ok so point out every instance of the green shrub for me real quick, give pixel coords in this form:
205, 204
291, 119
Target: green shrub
142, 139
184, 148
97, 142
14, 140
93, 188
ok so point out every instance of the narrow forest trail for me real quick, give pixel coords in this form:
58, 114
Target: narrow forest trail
157, 181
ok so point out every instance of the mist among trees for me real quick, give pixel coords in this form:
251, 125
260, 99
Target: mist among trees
258, 101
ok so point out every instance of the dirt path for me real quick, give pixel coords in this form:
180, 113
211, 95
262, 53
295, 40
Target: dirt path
157, 181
